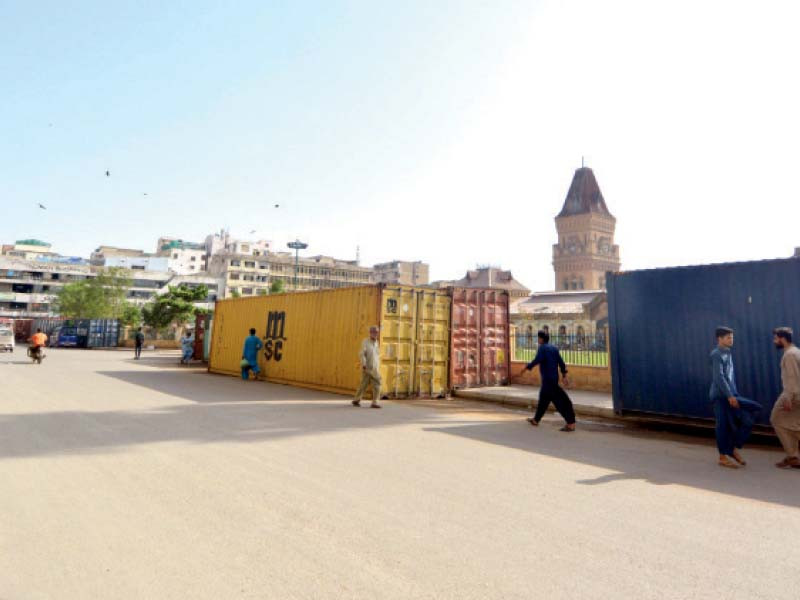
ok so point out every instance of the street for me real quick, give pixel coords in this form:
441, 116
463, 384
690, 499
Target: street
146, 479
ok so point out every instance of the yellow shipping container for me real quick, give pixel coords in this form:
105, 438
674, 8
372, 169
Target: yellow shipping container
312, 339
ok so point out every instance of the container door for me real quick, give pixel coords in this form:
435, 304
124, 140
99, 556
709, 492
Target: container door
465, 339
433, 344
207, 337
398, 336
494, 337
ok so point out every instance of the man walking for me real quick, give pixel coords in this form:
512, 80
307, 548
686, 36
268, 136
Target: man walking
550, 362
250, 355
370, 356
735, 415
138, 342
785, 416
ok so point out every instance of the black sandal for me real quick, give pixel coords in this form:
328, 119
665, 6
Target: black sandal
567, 428
532, 421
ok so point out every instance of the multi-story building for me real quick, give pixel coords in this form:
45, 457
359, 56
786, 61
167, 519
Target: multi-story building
250, 274
28, 288
184, 258
402, 272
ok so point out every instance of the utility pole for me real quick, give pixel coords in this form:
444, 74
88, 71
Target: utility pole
296, 245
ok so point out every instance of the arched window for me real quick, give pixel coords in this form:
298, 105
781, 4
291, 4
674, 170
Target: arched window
580, 283
566, 283
573, 284
546, 329
581, 335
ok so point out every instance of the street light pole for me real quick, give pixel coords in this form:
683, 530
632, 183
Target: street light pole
296, 245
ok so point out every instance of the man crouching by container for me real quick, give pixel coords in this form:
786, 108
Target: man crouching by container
550, 363
370, 356
735, 415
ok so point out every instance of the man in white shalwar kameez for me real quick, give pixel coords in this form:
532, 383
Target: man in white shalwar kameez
786, 412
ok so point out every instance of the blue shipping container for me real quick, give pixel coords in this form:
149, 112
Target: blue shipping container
661, 325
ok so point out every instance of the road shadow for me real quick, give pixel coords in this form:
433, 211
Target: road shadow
659, 458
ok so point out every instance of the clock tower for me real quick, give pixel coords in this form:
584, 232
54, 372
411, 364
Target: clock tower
585, 250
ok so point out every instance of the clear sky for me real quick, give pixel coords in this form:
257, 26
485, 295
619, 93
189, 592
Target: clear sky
446, 131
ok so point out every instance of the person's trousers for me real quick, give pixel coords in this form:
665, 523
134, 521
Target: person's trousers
246, 372
138, 351
187, 355
734, 425
560, 400
367, 379
784, 422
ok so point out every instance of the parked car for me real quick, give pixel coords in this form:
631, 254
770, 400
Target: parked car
6, 338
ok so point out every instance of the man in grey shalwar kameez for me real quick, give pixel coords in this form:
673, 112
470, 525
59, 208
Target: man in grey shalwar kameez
786, 412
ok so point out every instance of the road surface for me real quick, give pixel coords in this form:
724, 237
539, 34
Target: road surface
124, 479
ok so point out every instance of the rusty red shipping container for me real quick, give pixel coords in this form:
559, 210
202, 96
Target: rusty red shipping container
479, 337
23, 329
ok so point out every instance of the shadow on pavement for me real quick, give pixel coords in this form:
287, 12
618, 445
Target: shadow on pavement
226, 409
656, 457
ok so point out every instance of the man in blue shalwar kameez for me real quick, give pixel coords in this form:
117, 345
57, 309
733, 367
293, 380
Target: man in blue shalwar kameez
735, 415
250, 353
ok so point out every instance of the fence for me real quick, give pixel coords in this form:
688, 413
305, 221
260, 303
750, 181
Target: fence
576, 349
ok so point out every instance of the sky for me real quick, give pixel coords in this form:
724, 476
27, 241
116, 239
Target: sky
443, 131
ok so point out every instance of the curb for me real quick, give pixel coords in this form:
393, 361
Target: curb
584, 410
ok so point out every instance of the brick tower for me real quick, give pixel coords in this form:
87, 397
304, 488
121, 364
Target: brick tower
585, 250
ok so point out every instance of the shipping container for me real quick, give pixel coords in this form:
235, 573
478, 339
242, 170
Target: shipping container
23, 330
479, 338
201, 323
207, 338
662, 322
312, 339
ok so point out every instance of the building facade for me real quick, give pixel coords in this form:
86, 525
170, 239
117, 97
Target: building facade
585, 250
401, 272
251, 274
580, 315
488, 277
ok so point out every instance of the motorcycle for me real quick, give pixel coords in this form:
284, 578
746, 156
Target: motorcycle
36, 354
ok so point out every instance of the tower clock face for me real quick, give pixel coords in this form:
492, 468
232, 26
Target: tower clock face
603, 246
572, 246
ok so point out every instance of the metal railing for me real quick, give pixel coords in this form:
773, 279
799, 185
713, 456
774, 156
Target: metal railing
576, 348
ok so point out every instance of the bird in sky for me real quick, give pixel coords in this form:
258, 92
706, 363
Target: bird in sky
252, 232
42, 206
145, 194
277, 205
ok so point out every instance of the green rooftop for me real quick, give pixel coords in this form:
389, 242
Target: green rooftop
31, 243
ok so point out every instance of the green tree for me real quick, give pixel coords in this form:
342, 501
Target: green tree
175, 307
131, 315
100, 297
235, 293
277, 287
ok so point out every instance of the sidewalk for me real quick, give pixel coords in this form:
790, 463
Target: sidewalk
587, 404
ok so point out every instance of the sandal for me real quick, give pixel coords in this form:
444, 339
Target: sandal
787, 462
356, 403
532, 421
724, 462
739, 459
375, 405
567, 428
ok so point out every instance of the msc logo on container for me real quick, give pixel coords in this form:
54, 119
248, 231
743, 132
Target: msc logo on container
274, 340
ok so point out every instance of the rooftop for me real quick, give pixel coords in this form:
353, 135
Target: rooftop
584, 196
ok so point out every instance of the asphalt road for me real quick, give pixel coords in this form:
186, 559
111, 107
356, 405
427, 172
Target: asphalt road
125, 479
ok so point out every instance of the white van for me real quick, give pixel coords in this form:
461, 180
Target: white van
6, 338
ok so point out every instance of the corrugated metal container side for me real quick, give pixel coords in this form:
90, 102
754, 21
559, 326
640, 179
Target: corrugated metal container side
479, 342
23, 330
311, 339
661, 325
415, 341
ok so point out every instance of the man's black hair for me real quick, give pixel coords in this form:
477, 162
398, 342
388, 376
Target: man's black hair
722, 331
784, 333
252, 331
543, 335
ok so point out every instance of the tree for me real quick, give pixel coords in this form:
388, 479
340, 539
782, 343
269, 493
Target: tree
175, 307
277, 287
100, 297
235, 293
131, 315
